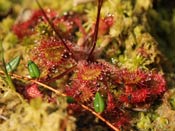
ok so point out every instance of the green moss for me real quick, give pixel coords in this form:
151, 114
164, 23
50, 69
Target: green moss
5, 25
34, 116
5, 5
144, 123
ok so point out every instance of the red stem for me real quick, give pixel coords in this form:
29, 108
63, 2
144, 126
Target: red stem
94, 40
60, 75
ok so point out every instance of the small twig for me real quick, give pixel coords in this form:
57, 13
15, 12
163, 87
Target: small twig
3, 117
100, 117
48, 87
62, 94
37, 82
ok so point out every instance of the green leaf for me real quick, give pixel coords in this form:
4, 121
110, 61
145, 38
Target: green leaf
99, 104
70, 99
172, 103
12, 65
8, 77
33, 70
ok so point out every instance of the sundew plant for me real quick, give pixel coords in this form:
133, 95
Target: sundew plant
86, 65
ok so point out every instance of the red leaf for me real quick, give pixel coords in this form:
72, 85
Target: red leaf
32, 91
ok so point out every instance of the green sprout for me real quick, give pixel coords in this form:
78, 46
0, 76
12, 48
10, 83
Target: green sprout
8, 77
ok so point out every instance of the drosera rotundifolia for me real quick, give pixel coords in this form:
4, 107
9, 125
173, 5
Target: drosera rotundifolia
74, 59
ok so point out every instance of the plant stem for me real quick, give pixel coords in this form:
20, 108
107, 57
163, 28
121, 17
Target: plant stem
8, 77
10, 82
